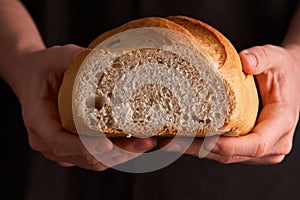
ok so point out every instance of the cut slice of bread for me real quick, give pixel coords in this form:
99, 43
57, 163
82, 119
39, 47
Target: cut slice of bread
158, 77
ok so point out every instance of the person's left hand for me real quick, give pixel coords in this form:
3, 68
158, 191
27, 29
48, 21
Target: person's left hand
277, 73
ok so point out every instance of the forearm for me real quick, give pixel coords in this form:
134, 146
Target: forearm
18, 36
292, 43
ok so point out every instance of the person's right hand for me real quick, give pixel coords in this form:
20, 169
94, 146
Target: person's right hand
37, 83
277, 73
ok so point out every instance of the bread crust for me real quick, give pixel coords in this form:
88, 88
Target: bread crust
139, 23
66, 90
216, 46
230, 67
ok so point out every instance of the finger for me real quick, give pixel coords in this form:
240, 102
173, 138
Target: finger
87, 162
194, 149
64, 162
62, 56
267, 160
197, 144
136, 145
271, 127
116, 157
62, 143
182, 145
227, 159
259, 59
125, 149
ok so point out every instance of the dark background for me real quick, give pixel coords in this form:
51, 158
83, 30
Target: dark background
27, 175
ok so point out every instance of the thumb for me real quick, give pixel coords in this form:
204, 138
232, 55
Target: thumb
259, 59
65, 54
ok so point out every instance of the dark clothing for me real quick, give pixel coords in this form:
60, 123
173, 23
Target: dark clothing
245, 23
28, 175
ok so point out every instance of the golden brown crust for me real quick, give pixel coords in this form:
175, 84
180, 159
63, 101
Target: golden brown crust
217, 46
205, 36
230, 68
65, 93
139, 23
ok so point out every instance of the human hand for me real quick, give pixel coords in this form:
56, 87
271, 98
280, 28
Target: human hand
36, 85
277, 73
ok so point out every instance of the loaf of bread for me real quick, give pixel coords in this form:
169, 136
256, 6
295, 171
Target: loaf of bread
158, 77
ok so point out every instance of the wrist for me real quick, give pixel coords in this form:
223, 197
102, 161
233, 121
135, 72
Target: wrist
293, 49
11, 64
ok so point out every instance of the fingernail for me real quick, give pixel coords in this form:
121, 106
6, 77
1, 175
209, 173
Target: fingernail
211, 147
104, 147
251, 59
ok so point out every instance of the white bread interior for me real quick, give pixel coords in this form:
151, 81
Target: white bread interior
144, 79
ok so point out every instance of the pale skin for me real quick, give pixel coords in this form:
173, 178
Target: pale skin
277, 70
34, 72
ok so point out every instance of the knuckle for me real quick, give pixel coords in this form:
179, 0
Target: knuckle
35, 144
55, 46
95, 146
285, 148
264, 51
95, 166
57, 151
260, 52
265, 55
67, 46
28, 121
89, 159
107, 146
261, 149
234, 151
99, 167
229, 150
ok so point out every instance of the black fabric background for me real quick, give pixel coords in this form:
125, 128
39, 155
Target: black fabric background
27, 175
